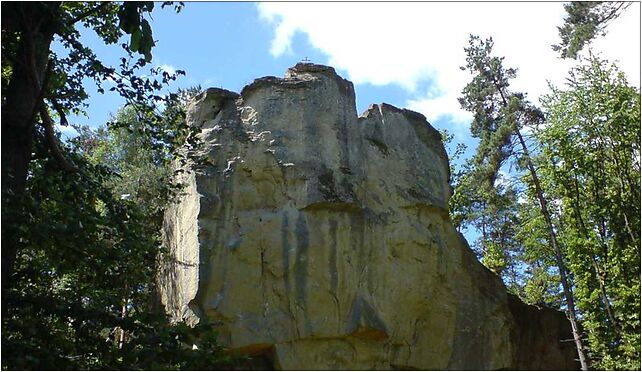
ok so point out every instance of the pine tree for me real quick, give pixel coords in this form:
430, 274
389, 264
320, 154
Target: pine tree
584, 21
499, 118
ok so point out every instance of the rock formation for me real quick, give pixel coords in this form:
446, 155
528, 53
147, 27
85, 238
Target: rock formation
322, 239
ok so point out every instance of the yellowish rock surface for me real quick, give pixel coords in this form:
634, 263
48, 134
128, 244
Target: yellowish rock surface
323, 238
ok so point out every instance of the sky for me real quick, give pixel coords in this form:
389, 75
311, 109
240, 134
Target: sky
405, 54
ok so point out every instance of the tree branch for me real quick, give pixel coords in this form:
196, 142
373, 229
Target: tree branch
60, 111
614, 13
89, 12
52, 141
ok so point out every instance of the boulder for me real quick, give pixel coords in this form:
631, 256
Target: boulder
321, 239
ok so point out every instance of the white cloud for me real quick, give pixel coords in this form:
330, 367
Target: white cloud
67, 131
409, 43
622, 43
503, 178
209, 82
167, 68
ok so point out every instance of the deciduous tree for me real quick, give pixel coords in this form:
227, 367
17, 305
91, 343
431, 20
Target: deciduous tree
591, 159
39, 85
500, 116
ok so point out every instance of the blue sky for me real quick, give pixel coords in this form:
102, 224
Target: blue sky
404, 54
223, 45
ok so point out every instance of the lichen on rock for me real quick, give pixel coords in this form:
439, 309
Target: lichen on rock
322, 238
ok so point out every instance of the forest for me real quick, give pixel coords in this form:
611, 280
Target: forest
552, 192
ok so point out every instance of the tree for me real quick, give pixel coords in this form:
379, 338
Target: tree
78, 258
591, 157
491, 210
482, 208
584, 21
85, 279
36, 83
499, 117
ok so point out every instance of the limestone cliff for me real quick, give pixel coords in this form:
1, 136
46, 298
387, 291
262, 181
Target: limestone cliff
322, 239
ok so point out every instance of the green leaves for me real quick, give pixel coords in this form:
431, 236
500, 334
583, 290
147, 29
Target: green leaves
591, 147
146, 41
82, 293
484, 199
131, 21
88, 253
584, 21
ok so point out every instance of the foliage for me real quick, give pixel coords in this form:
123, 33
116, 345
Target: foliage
140, 153
39, 85
540, 283
454, 155
79, 258
591, 153
84, 282
584, 21
485, 200
580, 175
62, 83
487, 211
85, 295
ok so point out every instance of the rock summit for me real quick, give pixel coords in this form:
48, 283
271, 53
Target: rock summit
321, 239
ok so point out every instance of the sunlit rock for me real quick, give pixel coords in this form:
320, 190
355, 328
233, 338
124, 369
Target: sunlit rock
322, 239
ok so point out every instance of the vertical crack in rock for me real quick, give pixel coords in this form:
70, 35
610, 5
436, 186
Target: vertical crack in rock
333, 269
357, 234
264, 288
285, 256
342, 137
301, 269
324, 238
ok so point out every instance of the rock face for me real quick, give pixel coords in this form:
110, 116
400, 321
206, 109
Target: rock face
322, 239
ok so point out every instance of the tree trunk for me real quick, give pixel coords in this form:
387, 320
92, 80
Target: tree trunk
568, 293
601, 281
24, 94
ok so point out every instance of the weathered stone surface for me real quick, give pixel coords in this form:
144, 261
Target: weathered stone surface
323, 239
